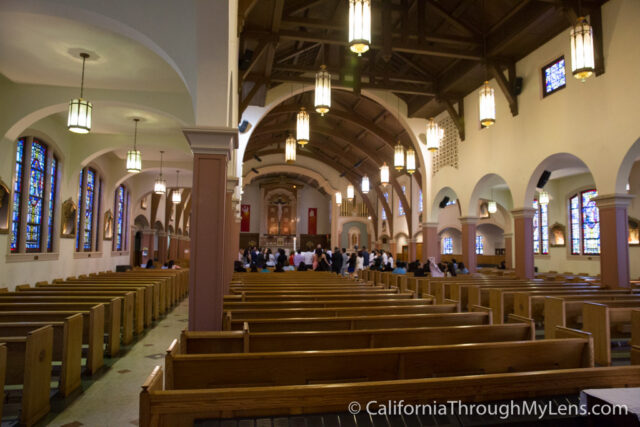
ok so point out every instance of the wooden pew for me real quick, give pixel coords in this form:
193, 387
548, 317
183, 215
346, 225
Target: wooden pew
230, 305
635, 337
3, 373
67, 347
29, 365
313, 297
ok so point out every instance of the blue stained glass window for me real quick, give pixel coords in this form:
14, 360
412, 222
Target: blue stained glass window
540, 228
479, 245
120, 225
17, 191
451, 202
400, 208
447, 245
88, 210
35, 203
79, 210
575, 225
554, 76
384, 212
585, 224
420, 201
52, 202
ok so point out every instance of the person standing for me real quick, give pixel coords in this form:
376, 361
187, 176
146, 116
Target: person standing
366, 257
336, 261
345, 262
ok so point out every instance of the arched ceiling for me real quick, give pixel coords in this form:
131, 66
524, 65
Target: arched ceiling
289, 179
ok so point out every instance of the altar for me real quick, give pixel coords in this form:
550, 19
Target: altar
275, 242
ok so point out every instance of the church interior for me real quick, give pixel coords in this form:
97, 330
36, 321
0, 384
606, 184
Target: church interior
444, 194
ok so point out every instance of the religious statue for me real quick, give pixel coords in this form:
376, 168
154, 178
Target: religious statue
279, 204
108, 225
68, 223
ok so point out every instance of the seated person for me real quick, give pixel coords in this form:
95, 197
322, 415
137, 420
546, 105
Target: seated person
279, 268
462, 269
387, 267
400, 268
413, 266
238, 267
254, 269
265, 270
302, 266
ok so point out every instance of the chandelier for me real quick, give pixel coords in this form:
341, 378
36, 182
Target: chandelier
290, 149
134, 158
384, 174
160, 186
359, 26
411, 161
323, 91
303, 127
492, 207
543, 198
434, 135
338, 198
350, 192
398, 158
487, 105
582, 53
79, 120
176, 195
365, 184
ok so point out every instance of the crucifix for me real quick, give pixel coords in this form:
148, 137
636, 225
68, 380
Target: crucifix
279, 203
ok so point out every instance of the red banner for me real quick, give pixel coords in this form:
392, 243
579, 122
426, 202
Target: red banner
313, 221
245, 215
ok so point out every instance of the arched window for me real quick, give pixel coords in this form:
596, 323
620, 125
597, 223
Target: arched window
89, 208
420, 201
400, 208
585, 223
479, 244
447, 245
34, 197
540, 228
120, 242
384, 212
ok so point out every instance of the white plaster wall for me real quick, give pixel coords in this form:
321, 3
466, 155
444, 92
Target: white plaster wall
252, 196
309, 197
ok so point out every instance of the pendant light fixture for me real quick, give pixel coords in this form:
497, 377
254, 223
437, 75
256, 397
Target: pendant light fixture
350, 192
290, 149
176, 195
411, 161
79, 120
359, 26
160, 186
338, 198
492, 207
365, 184
487, 105
323, 91
582, 52
398, 158
384, 174
434, 135
134, 158
543, 198
302, 135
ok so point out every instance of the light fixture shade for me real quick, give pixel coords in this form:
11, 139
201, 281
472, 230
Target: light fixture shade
492, 207
323, 91
434, 135
160, 186
365, 184
351, 192
411, 161
79, 119
398, 158
338, 198
176, 196
134, 161
582, 53
543, 198
290, 149
384, 174
487, 105
302, 127
359, 26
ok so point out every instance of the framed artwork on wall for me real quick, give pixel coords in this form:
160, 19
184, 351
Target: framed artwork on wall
143, 203
634, 232
68, 219
557, 236
108, 225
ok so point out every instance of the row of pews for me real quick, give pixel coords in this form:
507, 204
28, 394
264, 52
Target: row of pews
309, 343
54, 333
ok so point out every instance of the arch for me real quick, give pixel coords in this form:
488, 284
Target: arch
483, 189
435, 208
158, 226
624, 170
141, 222
324, 182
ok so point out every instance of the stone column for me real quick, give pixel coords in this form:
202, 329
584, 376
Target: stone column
212, 149
393, 249
469, 243
230, 253
430, 241
523, 235
412, 250
614, 239
508, 251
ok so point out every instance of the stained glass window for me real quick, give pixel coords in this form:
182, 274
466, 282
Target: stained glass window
120, 220
80, 193
554, 76
420, 201
35, 205
400, 208
479, 244
451, 202
384, 212
585, 224
540, 228
447, 245
17, 191
88, 210
53, 180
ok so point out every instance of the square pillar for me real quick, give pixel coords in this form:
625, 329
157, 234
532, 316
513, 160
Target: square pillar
508, 251
430, 241
469, 257
212, 150
523, 235
614, 240
412, 250
230, 250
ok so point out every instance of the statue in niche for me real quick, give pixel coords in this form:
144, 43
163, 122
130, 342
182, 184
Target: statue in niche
4, 208
68, 223
108, 225
557, 235
634, 232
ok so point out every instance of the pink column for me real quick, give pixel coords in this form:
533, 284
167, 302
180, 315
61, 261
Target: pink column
614, 240
469, 243
162, 247
230, 252
508, 251
412, 250
523, 235
212, 150
393, 249
430, 242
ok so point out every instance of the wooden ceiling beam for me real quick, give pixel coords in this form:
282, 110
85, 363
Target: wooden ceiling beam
336, 71
456, 116
456, 22
507, 86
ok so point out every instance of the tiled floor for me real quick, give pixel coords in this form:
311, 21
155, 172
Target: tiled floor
113, 399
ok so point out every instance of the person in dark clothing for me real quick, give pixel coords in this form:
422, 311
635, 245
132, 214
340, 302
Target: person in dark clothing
260, 261
323, 263
451, 269
238, 267
336, 261
366, 257
388, 267
149, 264
254, 269
352, 263
282, 257
413, 266
302, 266
279, 268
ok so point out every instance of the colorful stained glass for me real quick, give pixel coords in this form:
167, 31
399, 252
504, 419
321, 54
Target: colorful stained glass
574, 209
590, 224
120, 205
400, 208
554, 76
384, 212
536, 228
420, 201
17, 190
79, 210
544, 228
479, 245
447, 245
35, 204
88, 210
52, 202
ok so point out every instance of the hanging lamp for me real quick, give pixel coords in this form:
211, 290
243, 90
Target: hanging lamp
487, 105
290, 149
582, 51
350, 192
398, 158
79, 119
492, 206
134, 158
176, 195
160, 187
302, 135
359, 26
323, 91
384, 174
411, 161
365, 184
543, 198
434, 135
338, 198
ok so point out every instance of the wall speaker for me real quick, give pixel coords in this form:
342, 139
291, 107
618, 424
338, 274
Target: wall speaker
544, 178
444, 202
244, 126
